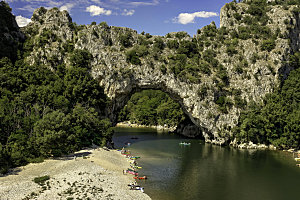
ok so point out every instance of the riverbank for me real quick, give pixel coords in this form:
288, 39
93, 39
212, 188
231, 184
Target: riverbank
91, 173
127, 124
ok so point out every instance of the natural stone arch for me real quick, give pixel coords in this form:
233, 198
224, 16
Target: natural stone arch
187, 127
120, 78
120, 87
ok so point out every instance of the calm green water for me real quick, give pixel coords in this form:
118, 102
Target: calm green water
204, 171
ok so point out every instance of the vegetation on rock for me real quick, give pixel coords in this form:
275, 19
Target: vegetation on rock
277, 120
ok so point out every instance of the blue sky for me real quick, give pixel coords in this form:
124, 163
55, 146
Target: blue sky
157, 17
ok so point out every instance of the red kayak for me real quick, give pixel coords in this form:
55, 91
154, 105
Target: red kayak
132, 172
141, 177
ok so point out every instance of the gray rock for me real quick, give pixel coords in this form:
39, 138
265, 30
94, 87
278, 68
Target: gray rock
121, 79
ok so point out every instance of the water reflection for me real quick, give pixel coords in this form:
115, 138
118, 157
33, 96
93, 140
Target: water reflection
204, 171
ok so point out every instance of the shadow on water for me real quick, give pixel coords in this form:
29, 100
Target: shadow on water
204, 171
123, 136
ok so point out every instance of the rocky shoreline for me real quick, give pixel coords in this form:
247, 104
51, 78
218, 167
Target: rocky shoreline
87, 174
159, 128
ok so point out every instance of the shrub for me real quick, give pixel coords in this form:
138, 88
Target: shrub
202, 92
81, 58
238, 69
268, 45
172, 44
231, 50
181, 35
148, 35
41, 180
104, 25
125, 40
163, 69
254, 58
159, 43
132, 57
141, 50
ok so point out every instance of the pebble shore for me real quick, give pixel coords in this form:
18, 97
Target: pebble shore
88, 174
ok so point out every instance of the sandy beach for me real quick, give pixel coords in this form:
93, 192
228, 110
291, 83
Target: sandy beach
87, 174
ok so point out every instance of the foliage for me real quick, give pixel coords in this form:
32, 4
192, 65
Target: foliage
81, 59
5, 6
172, 44
224, 103
45, 113
277, 120
41, 180
46, 37
125, 39
104, 25
132, 57
180, 35
159, 43
268, 45
152, 107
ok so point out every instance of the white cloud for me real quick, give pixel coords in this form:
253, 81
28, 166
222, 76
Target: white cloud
67, 7
28, 8
96, 10
139, 3
128, 12
96, 1
187, 18
22, 21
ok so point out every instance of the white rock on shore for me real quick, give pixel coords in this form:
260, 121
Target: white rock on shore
158, 127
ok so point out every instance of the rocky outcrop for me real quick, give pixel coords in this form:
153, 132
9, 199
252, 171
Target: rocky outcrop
201, 100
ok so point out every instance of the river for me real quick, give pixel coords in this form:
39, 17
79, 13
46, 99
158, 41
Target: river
209, 172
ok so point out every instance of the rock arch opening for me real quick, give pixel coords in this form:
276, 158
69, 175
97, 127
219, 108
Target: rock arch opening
154, 107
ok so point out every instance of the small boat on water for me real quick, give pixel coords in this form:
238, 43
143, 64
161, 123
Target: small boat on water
132, 172
141, 177
134, 157
185, 143
136, 187
136, 167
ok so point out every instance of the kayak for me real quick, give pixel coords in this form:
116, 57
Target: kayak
137, 167
184, 143
134, 157
136, 187
141, 177
132, 172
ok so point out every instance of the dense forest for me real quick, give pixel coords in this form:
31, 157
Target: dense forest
152, 107
47, 112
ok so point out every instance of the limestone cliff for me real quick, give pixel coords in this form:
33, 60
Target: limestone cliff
213, 75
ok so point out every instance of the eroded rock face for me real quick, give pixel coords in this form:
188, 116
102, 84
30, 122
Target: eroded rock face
120, 78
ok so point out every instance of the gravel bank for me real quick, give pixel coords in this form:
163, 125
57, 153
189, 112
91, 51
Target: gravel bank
94, 174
